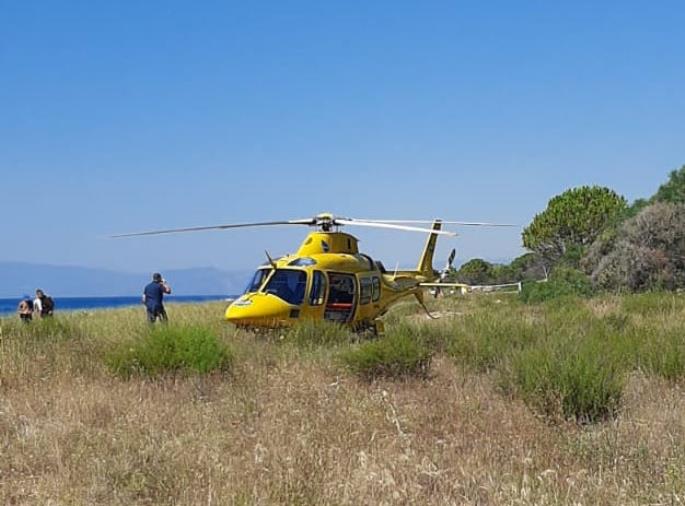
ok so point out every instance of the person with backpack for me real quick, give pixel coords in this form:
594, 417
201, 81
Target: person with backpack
43, 304
25, 309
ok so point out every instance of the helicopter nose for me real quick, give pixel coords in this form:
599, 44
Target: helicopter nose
261, 310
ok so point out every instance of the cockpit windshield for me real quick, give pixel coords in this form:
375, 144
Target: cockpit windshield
257, 280
288, 284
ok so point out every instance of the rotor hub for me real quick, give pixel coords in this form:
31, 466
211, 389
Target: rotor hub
325, 221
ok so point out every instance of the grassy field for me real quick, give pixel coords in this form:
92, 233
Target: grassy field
574, 401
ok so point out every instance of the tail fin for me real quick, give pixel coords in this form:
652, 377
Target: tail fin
425, 265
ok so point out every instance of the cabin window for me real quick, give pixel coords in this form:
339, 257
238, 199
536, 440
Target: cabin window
365, 290
342, 288
318, 291
257, 280
288, 284
375, 289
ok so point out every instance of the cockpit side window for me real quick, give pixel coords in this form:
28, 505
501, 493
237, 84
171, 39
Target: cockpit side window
375, 288
318, 292
365, 290
287, 284
257, 280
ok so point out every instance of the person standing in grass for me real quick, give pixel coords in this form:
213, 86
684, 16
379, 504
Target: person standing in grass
43, 304
25, 309
153, 297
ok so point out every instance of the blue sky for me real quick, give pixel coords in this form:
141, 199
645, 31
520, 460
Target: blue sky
126, 116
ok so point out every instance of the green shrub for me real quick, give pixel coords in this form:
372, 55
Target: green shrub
579, 379
171, 349
564, 282
646, 254
313, 333
398, 354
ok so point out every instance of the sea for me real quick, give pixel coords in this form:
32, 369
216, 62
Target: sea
9, 306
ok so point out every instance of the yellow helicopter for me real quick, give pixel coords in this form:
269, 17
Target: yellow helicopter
328, 278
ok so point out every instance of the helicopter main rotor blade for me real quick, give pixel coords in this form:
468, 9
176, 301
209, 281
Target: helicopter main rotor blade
364, 223
463, 223
307, 221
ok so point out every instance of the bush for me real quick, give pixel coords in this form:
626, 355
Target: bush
171, 349
576, 380
635, 268
398, 354
564, 281
648, 254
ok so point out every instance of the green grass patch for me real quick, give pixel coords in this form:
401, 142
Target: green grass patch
653, 303
316, 333
397, 354
399, 312
663, 355
481, 341
171, 349
51, 329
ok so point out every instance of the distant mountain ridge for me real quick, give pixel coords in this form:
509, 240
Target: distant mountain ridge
18, 278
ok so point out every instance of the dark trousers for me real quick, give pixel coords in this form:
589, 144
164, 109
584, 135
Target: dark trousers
156, 312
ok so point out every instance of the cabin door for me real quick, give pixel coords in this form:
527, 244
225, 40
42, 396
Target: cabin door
342, 294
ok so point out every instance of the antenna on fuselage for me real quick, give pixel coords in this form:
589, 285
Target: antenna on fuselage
271, 260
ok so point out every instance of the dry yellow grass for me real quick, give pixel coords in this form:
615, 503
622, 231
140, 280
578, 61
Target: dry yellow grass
290, 427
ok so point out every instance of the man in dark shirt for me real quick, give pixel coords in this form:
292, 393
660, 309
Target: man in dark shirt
43, 304
153, 296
